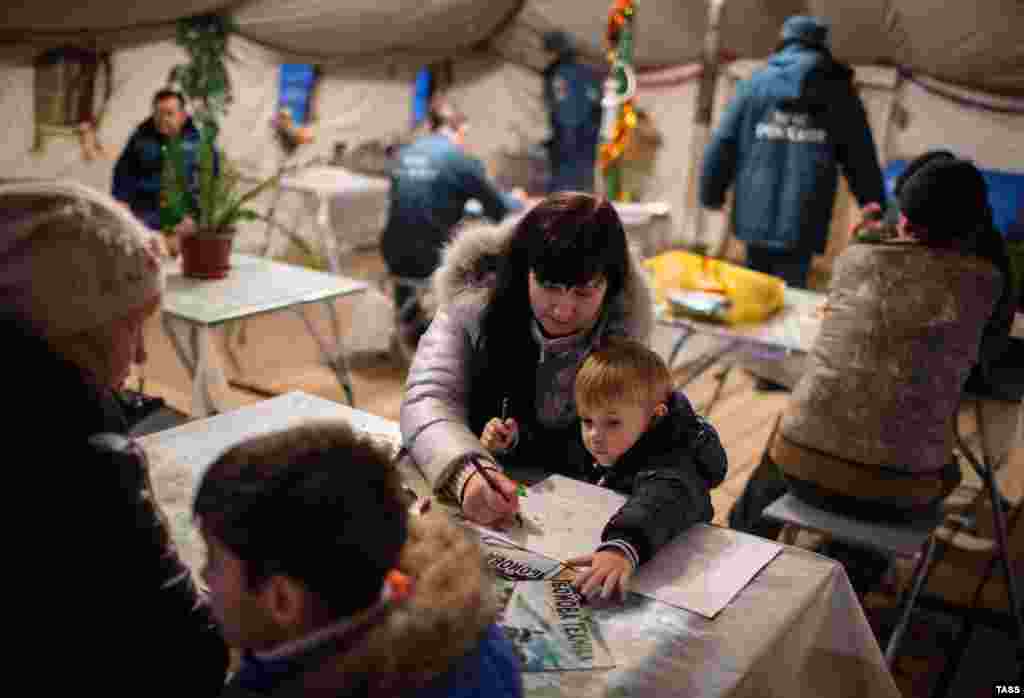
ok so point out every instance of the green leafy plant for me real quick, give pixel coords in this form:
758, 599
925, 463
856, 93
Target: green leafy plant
222, 199
219, 203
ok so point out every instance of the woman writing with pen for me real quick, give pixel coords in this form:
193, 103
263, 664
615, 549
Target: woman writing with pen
521, 309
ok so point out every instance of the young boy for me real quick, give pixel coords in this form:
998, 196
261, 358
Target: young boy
319, 576
647, 443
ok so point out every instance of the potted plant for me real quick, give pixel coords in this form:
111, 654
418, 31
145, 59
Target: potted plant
210, 194
216, 207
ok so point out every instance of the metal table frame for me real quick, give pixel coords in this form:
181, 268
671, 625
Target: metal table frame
195, 355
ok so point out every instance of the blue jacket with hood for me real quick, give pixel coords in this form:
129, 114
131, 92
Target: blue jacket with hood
781, 142
430, 186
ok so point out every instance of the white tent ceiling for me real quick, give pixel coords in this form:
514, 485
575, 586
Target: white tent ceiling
980, 45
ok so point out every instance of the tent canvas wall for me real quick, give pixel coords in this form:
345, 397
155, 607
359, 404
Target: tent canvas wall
369, 53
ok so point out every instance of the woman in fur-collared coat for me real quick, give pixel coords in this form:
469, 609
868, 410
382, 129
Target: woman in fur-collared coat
520, 311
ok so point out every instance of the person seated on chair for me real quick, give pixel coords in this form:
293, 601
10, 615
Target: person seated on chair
138, 173
430, 185
868, 431
646, 442
984, 241
319, 574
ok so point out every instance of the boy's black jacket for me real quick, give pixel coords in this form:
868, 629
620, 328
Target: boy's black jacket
668, 474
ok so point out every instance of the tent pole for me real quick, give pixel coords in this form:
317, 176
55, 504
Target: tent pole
890, 120
702, 120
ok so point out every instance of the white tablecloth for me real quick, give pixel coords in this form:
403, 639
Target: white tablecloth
795, 631
353, 207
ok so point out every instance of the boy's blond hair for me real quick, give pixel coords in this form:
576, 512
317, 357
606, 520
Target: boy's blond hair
622, 370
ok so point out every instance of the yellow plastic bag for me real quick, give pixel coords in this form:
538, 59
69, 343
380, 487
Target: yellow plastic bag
754, 296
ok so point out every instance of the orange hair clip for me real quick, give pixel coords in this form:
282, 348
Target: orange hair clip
400, 584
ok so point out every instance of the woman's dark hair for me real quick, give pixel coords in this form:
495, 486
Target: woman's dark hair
946, 197
570, 238
319, 503
916, 164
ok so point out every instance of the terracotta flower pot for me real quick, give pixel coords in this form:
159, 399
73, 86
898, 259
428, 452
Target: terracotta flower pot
205, 256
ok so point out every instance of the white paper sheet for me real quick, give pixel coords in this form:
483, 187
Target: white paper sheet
701, 571
698, 571
562, 518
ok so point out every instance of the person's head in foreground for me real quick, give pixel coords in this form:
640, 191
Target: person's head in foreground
942, 200
79, 271
306, 531
567, 256
622, 389
286, 521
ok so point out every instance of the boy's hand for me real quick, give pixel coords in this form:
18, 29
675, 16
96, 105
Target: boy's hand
498, 435
483, 505
607, 571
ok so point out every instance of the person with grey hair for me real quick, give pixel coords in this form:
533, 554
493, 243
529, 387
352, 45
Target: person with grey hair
78, 277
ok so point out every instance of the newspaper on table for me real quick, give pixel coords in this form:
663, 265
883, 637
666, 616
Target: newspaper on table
550, 627
514, 563
701, 571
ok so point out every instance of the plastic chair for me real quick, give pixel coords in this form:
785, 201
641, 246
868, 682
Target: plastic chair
891, 539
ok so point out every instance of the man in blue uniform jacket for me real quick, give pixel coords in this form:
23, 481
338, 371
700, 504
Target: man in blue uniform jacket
781, 142
572, 95
430, 185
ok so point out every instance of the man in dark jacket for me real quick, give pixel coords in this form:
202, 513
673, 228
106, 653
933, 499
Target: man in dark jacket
138, 173
780, 143
430, 185
572, 96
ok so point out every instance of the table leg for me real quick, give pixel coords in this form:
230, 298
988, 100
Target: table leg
187, 360
203, 404
327, 241
708, 362
332, 315
271, 211
677, 347
334, 356
234, 331
721, 377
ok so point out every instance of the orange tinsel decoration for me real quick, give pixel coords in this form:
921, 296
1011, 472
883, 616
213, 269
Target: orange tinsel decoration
617, 16
626, 119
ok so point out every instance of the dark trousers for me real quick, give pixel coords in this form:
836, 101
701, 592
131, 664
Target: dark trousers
792, 266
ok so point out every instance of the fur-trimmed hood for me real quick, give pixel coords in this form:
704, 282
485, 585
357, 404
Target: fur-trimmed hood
469, 262
452, 605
